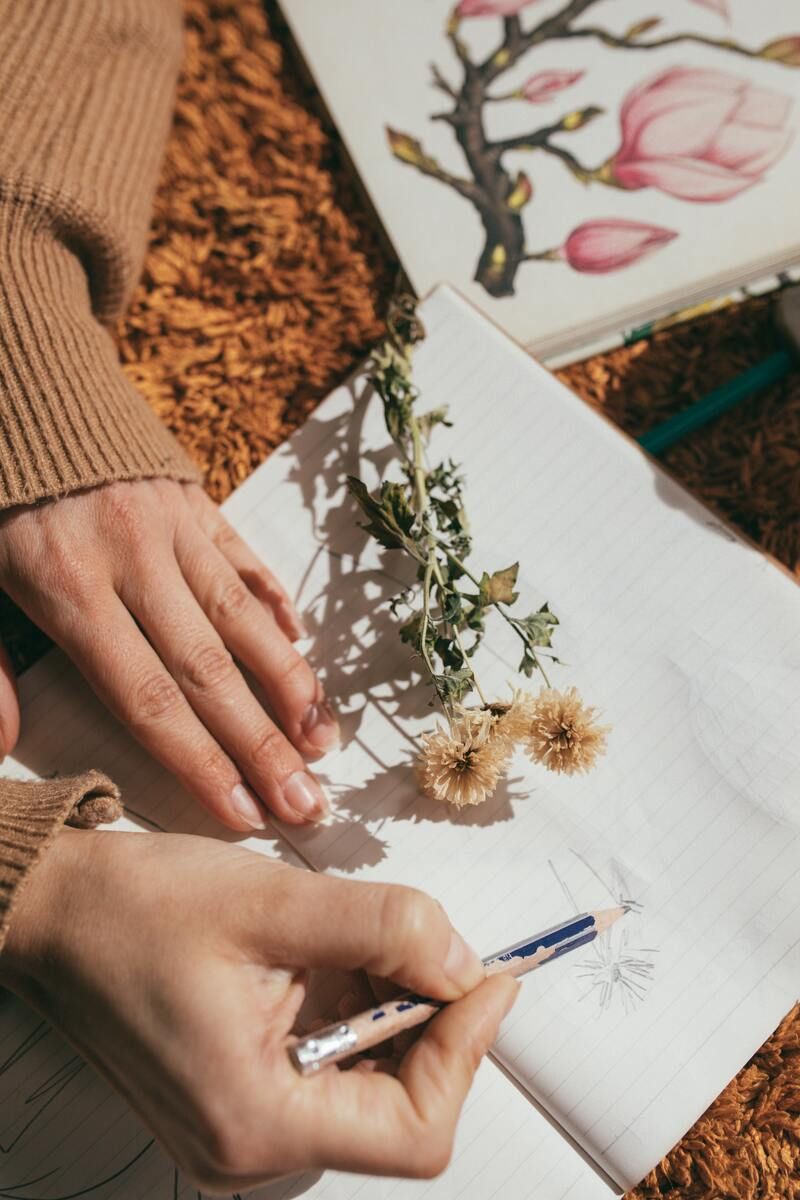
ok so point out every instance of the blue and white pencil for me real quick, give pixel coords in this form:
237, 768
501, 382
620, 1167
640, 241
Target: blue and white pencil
368, 1029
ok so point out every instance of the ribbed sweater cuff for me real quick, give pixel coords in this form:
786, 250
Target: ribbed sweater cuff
31, 815
69, 418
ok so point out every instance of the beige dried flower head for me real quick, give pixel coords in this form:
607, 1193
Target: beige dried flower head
462, 765
514, 717
564, 735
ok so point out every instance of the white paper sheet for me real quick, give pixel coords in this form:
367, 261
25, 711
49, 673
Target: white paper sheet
685, 637
688, 639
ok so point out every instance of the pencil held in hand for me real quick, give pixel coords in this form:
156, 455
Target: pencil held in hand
337, 1042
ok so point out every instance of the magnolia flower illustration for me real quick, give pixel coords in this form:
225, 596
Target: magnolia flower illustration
698, 134
717, 6
491, 8
596, 247
546, 84
694, 133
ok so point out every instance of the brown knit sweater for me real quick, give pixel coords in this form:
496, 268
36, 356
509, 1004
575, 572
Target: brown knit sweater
86, 95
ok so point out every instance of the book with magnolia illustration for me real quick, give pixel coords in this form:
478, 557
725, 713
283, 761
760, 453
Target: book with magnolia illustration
575, 167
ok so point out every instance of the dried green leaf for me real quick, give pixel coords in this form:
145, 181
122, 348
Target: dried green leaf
499, 587
390, 518
454, 686
538, 626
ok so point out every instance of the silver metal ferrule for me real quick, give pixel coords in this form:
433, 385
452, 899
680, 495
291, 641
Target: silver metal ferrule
312, 1053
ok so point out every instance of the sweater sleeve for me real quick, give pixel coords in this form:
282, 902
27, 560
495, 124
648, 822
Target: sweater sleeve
86, 98
31, 815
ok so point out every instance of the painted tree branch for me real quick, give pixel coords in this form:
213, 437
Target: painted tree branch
625, 42
498, 194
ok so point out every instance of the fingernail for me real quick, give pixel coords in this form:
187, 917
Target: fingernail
247, 807
321, 727
462, 965
305, 796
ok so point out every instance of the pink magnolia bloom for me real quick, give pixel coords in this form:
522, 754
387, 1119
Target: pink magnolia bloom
699, 134
610, 243
717, 6
544, 84
491, 8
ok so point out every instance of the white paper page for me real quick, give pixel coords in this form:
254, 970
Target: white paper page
372, 62
689, 641
63, 1131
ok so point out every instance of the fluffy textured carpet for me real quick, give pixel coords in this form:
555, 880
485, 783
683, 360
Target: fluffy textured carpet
265, 284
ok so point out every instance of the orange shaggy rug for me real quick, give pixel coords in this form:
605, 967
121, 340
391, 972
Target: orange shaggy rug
265, 285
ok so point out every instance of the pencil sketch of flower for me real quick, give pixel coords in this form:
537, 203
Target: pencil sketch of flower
615, 972
695, 134
699, 135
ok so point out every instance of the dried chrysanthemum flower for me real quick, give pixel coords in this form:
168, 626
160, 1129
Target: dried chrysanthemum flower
513, 718
462, 765
563, 734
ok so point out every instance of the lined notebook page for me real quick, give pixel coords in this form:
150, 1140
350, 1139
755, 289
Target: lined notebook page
63, 1131
688, 640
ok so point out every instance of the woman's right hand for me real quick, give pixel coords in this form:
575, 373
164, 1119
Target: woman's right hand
177, 966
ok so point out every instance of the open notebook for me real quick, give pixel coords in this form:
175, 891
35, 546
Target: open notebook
686, 637
580, 170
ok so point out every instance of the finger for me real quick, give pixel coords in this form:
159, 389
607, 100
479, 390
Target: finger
258, 578
405, 1125
395, 932
206, 674
252, 634
9, 706
129, 677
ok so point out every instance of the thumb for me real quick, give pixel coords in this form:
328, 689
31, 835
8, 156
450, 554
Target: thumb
398, 933
9, 706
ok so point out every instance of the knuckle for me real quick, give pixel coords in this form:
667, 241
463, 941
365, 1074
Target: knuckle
408, 915
266, 747
223, 1160
155, 697
229, 1153
66, 568
214, 768
224, 535
125, 518
431, 1156
231, 600
207, 665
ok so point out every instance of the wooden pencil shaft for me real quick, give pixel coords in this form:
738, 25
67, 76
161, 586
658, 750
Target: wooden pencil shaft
359, 1033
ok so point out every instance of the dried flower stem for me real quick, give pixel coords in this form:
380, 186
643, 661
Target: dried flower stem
424, 517
512, 621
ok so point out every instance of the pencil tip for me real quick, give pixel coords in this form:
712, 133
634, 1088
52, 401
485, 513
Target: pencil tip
626, 908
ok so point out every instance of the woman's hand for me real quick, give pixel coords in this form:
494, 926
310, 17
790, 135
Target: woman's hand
176, 965
153, 595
